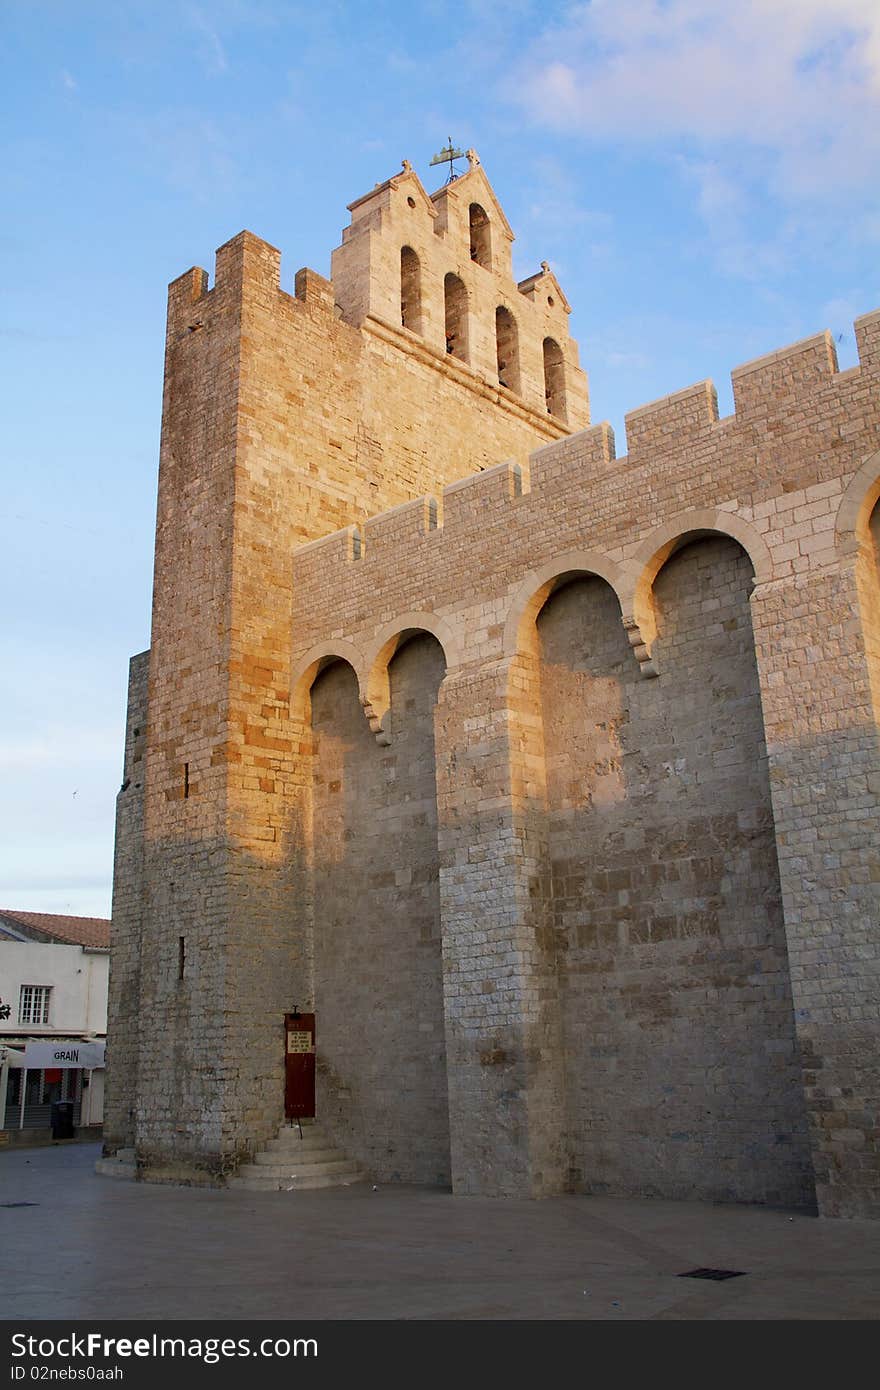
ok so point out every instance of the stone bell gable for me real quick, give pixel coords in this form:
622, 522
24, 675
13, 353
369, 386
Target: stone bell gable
440, 267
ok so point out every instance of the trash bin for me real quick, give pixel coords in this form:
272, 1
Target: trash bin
62, 1119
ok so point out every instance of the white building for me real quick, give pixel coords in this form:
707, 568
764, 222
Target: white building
53, 982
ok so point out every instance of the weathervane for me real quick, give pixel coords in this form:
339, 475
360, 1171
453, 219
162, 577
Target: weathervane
448, 156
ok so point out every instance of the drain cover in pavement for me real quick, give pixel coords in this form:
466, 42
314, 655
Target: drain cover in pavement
19, 1204
712, 1274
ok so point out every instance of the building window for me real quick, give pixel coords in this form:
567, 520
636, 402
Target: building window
507, 345
410, 290
481, 236
33, 1006
455, 296
554, 379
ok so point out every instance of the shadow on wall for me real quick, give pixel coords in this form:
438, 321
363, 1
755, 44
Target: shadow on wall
682, 1071
657, 901
378, 968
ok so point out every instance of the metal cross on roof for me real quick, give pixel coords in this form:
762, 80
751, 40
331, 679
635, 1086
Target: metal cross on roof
448, 156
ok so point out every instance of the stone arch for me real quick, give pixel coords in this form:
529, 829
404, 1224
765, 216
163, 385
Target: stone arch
456, 310
857, 536
381, 1075
376, 692
643, 567
537, 586
309, 667
481, 236
507, 348
660, 868
410, 290
851, 528
554, 380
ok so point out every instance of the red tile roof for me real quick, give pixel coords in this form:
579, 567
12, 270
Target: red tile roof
82, 931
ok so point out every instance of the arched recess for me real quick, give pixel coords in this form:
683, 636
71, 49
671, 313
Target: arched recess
643, 567
857, 504
481, 236
554, 380
507, 349
307, 667
410, 290
868, 574
381, 1066
455, 299
534, 590
857, 533
377, 689
681, 1069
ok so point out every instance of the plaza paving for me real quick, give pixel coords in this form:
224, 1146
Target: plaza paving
93, 1247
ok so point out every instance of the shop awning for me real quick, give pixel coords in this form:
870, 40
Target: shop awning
63, 1052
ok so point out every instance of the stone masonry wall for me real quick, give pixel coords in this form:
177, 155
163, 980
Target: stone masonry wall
475, 565
678, 1030
333, 423
378, 985
280, 422
125, 972
300, 433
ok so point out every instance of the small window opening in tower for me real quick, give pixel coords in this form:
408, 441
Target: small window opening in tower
181, 956
481, 236
507, 347
455, 296
410, 290
554, 380
186, 780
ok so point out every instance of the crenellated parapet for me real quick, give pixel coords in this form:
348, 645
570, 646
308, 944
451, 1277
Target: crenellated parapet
771, 476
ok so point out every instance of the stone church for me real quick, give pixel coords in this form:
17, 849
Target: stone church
537, 789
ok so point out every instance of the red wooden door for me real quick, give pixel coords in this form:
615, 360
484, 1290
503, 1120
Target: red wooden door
299, 1066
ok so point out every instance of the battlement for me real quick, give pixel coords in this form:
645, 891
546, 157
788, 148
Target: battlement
800, 382
683, 413
243, 264
780, 376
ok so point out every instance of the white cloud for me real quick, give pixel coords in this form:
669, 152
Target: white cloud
798, 80
554, 210
727, 214
210, 50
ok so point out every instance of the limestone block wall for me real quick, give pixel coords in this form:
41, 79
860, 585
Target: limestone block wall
378, 974
281, 422
624, 825
127, 919
784, 479
678, 1030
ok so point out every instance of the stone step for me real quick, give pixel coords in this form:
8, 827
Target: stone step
255, 1181
298, 1146
312, 1139
288, 1167
296, 1161
301, 1154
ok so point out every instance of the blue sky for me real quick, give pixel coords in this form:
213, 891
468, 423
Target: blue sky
702, 177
